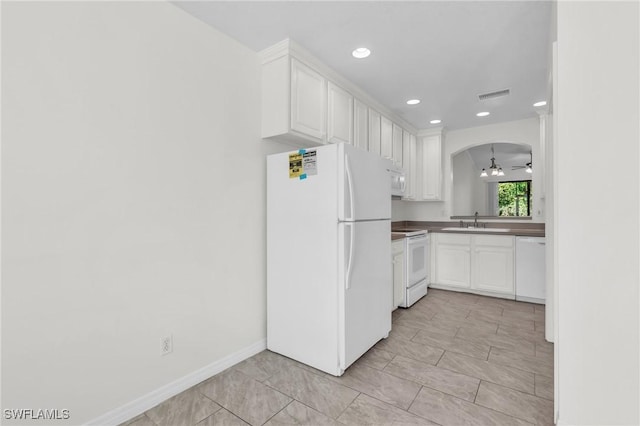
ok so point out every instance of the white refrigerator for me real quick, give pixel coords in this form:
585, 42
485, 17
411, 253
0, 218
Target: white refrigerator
329, 279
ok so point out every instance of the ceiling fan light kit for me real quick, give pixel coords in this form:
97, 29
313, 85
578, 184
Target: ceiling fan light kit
528, 166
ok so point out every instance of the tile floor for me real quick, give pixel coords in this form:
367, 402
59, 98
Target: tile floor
451, 359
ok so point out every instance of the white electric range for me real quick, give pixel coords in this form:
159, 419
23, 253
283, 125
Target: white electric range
416, 262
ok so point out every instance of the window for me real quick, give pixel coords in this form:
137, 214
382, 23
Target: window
514, 198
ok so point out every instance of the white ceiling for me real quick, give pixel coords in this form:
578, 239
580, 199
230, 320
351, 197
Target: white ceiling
442, 52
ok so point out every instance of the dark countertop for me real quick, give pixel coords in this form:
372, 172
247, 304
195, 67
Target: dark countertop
396, 237
515, 228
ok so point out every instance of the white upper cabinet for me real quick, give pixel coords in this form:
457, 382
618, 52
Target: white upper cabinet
409, 164
430, 166
396, 145
375, 123
294, 102
308, 100
386, 138
305, 103
340, 115
360, 125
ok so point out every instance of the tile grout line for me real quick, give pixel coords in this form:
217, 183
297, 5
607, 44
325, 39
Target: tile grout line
348, 405
503, 413
221, 405
488, 381
414, 400
281, 410
439, 359
477, 390
498, 364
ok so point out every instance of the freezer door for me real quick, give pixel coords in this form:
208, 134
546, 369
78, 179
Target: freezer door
366, 287
364, 185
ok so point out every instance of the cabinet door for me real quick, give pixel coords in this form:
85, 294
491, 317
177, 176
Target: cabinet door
493, 264
398, 278
340, 115
409, 165
397, 144
374, 131
360, 125
308, 101
386, 138
452, 260
431, 168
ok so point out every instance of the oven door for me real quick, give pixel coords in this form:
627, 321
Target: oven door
416, 259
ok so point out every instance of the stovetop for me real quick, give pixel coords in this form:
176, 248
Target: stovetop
409, 232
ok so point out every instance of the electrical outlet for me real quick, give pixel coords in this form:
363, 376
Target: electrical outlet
166, 345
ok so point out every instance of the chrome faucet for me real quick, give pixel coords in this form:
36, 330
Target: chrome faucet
475, 221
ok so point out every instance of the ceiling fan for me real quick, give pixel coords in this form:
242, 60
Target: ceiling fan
528, 166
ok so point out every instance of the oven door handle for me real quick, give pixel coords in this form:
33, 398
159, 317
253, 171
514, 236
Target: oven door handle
419, 239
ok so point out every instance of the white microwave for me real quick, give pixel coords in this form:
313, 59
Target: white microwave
398, 183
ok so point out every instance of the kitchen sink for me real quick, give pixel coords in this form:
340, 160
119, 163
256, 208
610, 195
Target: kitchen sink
457, 228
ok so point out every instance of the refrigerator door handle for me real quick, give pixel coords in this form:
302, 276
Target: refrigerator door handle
347, 169
350, 258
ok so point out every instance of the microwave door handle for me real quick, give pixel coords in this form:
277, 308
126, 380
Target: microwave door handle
349, 177
350, 258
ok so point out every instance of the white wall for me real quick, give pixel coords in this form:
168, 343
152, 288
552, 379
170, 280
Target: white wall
469, 193
133, 202
521, 131
598, 243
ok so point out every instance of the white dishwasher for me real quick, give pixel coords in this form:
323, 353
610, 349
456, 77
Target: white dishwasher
530, 269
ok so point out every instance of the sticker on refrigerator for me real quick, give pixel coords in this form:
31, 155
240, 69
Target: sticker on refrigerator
295, 165
310, 163
302, 164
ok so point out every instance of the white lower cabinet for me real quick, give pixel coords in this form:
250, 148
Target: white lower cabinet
482, 264
493, 263
452, 254
397, 260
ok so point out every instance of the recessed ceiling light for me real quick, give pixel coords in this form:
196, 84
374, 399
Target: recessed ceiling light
539, 104
483, 114
413, 101
361, 52
435, 121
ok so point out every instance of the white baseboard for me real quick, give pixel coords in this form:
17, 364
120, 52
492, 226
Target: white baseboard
153, 398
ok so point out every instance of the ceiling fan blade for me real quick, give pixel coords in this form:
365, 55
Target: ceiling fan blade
518, 167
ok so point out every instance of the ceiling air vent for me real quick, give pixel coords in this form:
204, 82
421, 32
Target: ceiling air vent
492, 95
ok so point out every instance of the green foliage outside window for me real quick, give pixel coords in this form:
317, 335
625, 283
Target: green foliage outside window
514, 198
